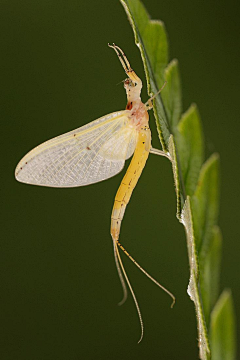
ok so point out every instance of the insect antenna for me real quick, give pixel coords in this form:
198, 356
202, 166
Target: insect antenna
120, 82
146, 273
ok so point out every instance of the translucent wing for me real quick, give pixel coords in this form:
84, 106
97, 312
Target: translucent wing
91, 153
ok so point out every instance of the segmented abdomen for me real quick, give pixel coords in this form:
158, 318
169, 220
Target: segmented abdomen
130, 180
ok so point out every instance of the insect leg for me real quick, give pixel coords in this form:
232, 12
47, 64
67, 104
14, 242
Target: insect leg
149, 103
160, 152
122, 57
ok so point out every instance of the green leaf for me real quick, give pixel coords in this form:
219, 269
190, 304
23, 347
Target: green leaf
196, 185
205, 203
210, 273
150, 37
190, 146
172, 96
204, 349
222, 329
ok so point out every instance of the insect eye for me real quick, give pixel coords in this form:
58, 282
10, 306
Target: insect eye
128, 82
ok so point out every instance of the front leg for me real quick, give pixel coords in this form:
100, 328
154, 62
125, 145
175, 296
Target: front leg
149, 104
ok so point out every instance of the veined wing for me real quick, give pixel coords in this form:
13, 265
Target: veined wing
91, 153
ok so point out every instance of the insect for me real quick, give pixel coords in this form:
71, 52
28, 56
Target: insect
97, 151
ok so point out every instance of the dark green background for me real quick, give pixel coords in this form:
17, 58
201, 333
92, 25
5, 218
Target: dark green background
59, 285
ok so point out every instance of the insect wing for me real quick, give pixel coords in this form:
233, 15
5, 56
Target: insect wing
91, 153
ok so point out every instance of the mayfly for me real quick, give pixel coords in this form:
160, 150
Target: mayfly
97, 151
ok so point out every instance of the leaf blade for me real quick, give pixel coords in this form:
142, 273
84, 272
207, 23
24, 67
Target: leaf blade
187, 220
205, 202
190, 145
196, 185
172, 94
154, 55
222, 328
210, 273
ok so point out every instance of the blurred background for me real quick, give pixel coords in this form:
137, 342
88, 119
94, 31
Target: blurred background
59, 285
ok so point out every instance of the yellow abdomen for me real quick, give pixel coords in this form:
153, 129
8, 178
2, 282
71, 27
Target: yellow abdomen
130, 180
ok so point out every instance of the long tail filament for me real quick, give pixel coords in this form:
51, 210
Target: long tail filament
132, 292
120, 274
146, 273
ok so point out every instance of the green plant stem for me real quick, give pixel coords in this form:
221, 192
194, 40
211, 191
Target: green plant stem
196, 183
